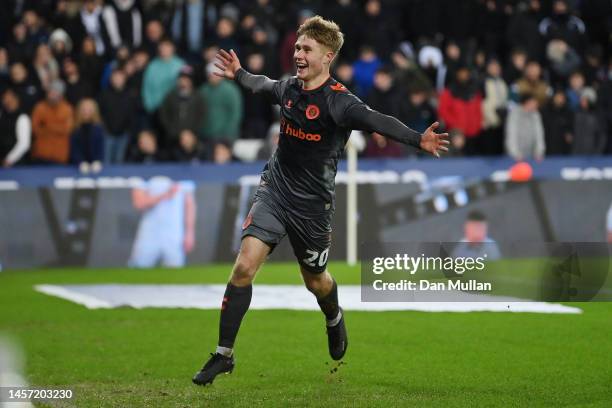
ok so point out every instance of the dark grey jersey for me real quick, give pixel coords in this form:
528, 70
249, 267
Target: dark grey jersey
314, 127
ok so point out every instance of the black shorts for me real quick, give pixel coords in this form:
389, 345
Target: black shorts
270, 222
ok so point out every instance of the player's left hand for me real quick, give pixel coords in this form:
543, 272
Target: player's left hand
433, 142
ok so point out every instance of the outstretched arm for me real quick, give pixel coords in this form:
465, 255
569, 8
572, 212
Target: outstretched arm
230, 68
360, 116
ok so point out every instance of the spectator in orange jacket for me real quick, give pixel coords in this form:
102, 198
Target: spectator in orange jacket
52, 123
460, 108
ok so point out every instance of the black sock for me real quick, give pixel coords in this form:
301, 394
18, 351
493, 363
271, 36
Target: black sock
236, 301
329, 303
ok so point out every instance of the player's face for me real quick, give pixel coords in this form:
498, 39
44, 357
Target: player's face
311, 58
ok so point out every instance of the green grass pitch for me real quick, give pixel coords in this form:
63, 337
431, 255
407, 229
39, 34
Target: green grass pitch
145, 358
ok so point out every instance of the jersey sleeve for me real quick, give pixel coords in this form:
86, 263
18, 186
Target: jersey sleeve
349, 111
261, 83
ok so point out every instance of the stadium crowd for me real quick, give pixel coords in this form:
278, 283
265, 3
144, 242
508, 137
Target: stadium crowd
91, 82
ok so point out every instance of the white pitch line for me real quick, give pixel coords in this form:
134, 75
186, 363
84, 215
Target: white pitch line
267, 297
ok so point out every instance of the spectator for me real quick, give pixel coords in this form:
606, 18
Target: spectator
145, 151
407, 73
594, 72
258, 112
575, 89
4, 69
562, 24
154, 34
344, 74
118, 111
122, 57
189, 149
531, 83
21, 48
87, 140
516, 66
523, 30
76, 87
45, 66
123, 23
416, 111
453, 60
187, 25
494, 109
384, 96
225, 35
589, 132
461, 108
91, 65
558, 125
260, 45
223, 115
385, 35
563, 60
525, 131
364, 69
24, 86
15, 130
37, 32
52, 123
431, 61
60, 44
160, 76
89, 23
182, 109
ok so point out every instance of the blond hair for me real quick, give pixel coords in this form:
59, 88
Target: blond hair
79, 116
325, 32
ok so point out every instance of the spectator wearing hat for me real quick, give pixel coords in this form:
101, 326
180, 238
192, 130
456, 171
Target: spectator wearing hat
52, 123
61, 44
525, 130
182, 109
223, 115
118, 111
160, 76
15, 129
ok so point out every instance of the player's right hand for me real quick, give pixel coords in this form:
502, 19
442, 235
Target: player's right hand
228, 64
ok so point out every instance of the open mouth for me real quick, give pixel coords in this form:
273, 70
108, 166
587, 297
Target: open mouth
301, 67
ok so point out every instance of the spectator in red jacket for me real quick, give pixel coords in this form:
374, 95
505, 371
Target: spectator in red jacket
461, 108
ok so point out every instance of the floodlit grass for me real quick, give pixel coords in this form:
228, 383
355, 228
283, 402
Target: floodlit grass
145, 358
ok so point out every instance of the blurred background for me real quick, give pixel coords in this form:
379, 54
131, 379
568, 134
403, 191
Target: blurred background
118, 146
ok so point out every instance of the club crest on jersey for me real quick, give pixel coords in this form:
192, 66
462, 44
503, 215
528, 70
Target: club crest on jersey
289, 104
312, 112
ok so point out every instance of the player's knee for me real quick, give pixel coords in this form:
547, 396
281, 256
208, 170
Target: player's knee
244, 271
317, 283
